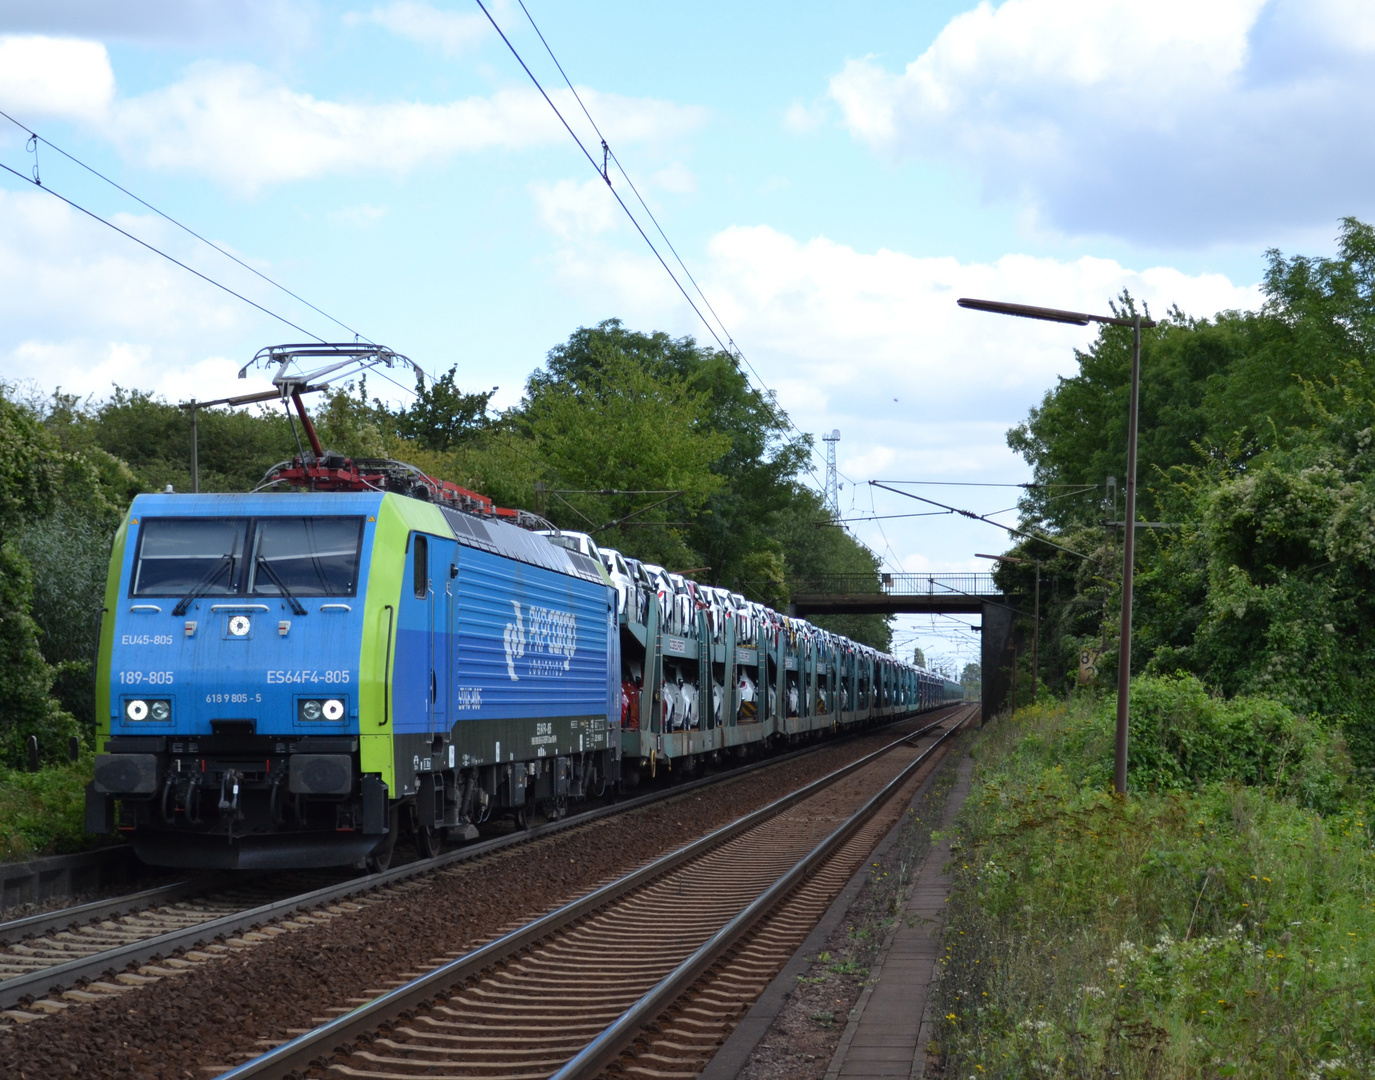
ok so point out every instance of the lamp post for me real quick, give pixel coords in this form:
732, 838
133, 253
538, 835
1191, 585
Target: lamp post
1124, 659
1036, 617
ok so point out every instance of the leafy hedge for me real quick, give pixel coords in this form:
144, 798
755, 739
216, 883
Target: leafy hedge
43, 813
1184, 737
1212, 924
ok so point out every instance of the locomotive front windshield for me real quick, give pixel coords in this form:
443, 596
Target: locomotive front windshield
309, 556
176, 555
314, 556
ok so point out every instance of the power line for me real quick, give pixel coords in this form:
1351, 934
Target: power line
592, 161
886, 517
187, 229
158, 251
621, 168
734, 351
36, 181
971, 483
980, 517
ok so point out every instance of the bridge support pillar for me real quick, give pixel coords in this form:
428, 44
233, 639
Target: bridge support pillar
996, 659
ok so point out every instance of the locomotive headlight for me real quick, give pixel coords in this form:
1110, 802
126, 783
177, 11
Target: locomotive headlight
310, 710
158, 711
333, 709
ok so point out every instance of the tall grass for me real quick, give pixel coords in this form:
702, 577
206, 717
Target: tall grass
1217, 923
44, 813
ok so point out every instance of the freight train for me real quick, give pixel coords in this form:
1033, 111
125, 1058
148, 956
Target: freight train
295, 678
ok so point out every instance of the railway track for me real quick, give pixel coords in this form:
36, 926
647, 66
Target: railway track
648, 972
52, 961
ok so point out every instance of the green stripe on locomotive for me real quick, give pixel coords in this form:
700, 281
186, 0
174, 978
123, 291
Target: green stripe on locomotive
397, 518
107, 634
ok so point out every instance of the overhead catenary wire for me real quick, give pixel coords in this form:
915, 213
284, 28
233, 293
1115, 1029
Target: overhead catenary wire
732, 350
606, 148
593, 162
977, 483
36, 181
980, 517
838, 522
158, 251
37, 138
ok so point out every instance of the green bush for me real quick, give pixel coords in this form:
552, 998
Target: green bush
26, 705
43, 813
1184, 737
1214, 926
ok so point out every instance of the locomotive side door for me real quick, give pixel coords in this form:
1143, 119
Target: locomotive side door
423, 663
442, 616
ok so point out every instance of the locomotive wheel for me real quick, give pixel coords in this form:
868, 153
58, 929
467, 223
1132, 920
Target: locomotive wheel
428, 841
380, 859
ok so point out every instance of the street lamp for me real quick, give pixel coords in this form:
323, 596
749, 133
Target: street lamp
1036, 618
1124, 659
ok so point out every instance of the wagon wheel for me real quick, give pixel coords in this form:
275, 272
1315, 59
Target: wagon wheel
380, 858
525, 815
428, 840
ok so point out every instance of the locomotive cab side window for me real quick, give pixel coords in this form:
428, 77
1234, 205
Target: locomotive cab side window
179, 555
422, 567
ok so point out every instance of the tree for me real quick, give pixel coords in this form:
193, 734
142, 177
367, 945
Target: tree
32, 468
971, 678
626, 449
758, 465
918, 657
1258, 455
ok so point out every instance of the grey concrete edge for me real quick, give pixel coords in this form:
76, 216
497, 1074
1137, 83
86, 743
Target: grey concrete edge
735, 1052
857, 1013
55, 876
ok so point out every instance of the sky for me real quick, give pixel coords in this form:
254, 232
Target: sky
833, 176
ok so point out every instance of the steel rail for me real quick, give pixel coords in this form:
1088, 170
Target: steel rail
63, 976
302, 1051
61, 918
607, 1046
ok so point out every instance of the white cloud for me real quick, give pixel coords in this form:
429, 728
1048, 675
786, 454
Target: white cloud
676, 179
801, 119
182, 21
573, 209
859, 329
246, 128
360, 215
452, 32
46, 77
1161, 120
874, 344
83, 308
583, 209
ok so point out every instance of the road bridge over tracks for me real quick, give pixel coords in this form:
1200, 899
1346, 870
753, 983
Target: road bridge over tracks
915, 594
